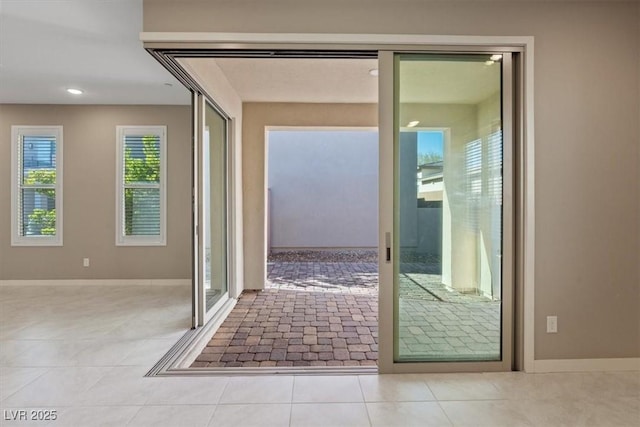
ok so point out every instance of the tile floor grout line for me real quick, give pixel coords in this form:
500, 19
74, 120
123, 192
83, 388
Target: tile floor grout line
28, 383
293, 387
213, 415
445, 413
364, 401
134, 415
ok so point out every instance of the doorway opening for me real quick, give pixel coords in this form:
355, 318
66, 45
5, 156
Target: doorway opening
322, 237
405, 70
319, 305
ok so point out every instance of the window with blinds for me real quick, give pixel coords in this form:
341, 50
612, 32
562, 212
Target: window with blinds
473, 178
36, 185
141, 185
494, 164
483, 177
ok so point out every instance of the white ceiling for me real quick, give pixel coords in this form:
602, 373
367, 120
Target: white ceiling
48, 46
448, 82
348, 80
301, 80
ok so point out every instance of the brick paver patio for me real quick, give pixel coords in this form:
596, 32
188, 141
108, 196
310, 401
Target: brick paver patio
437, 323
310, 314
326, 314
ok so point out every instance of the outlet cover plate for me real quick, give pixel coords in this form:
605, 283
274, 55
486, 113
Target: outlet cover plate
552, 324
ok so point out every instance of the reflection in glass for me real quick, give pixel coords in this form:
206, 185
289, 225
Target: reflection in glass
214, 223
449, 208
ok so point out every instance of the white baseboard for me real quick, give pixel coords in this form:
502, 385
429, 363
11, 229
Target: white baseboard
98, 282
587, 365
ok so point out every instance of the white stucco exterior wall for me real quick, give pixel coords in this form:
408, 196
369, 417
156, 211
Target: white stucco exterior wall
324, 188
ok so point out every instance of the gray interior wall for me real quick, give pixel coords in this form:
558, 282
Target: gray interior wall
587, 115
89, 145
324, 188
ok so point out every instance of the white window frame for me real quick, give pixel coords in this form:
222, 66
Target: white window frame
121, 238
18, 132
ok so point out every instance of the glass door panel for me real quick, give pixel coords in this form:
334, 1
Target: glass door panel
448, 193
213, 229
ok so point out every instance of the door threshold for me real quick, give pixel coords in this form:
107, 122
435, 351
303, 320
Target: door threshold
269, 371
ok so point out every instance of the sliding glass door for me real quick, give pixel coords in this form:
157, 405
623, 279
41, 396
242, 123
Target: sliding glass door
211, 216
446, 202
446, 278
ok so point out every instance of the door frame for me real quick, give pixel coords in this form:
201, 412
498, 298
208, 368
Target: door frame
166, 47
389, 226
200, 314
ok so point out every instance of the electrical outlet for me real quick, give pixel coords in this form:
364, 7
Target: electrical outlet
85, 262
552, 324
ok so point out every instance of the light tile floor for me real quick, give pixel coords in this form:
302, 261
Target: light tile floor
83, 353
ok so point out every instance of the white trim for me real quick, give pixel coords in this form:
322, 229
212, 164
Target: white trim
98, 282
121, 239
196, 210
587, 365
17, 132
529, 210
233, 286
301, 38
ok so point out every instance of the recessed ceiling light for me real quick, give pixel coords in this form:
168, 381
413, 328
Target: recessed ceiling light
496, 57
74, 91
413, 124
373, 72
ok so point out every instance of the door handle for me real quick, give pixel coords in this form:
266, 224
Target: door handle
387, 239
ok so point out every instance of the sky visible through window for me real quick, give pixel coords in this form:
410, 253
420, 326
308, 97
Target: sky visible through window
430, 145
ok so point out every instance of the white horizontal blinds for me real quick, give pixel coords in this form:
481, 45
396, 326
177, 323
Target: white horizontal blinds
141, 184
473, 177
37, 185
494, 154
